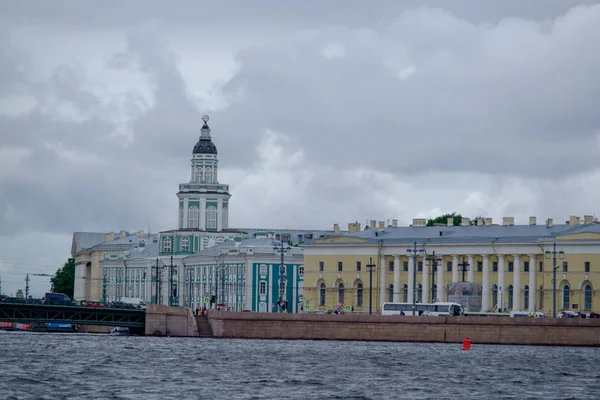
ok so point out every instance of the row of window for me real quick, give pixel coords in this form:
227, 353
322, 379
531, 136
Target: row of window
466, 266
205, 176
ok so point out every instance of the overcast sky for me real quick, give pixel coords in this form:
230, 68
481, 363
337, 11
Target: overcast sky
322, 112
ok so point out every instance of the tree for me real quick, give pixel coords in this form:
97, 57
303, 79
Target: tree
443, 219
64, 279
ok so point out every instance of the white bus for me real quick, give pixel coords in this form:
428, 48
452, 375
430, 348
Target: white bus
425, 309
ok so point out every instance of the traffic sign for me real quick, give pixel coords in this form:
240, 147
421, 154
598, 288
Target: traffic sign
347, 308
306, 308
339, 309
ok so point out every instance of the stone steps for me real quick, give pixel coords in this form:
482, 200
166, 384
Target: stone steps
204, 329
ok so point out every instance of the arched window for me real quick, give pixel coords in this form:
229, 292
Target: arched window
509, 295
420, 293
211, 218
167, 245
391, 293
208, 175
341, 293
587, 297
322, 294
359, 294
405, 293
566, 297
199, 177
526, 297
541, 299
185, 243
494, 295
193, 217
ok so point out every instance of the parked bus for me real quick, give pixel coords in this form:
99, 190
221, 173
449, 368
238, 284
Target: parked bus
425, 309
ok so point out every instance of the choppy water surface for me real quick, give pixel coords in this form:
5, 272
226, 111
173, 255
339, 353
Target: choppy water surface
60, 366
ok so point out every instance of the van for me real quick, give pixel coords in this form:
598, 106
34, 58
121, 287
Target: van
134, 301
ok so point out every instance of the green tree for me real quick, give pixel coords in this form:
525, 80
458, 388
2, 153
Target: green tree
443, 219
64, 279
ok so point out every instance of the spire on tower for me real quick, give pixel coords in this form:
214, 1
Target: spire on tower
205, 119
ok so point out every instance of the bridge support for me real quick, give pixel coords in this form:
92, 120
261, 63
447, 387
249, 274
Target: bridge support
163, 320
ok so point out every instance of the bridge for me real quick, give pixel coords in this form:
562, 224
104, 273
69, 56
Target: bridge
29, 313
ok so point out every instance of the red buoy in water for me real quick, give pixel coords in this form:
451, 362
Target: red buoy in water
466, 344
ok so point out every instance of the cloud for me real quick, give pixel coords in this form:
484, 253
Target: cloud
321, 115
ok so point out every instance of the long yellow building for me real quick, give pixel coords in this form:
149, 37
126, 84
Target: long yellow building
513, 263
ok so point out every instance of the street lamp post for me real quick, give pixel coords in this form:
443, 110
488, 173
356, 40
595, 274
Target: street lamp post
414, 251
281, 302
433, 260
465, 267
561, 255
370, 268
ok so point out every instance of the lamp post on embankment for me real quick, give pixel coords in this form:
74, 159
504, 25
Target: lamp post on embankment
561, 255
370, 268
414, 251
433, 260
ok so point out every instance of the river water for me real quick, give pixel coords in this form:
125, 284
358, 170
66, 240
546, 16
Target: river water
79, 366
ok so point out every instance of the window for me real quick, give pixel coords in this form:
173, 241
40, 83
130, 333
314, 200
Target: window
180, 216
340, 266
341, 293
541, 299
263, 269
541, 266
495, 266
565, 266
420, 293
405, 293
449, 266
322, 294
391, 266
185, 243
420, 266
193, 216
526, 297
263, 287
359, 294
509, 295
526, 266
586, 268
479, 266
405, 266
208, 175
358, 266
510, 266
225, 218
321, 266
166, 245
301, 270
211, 218
566, 297
198, 175
587, 297
494, 295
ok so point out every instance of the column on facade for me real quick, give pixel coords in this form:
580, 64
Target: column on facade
501, 287
382, 283
425, 280
411, 274
471, 271
455, 268
202, 219
396, 279
532, 283
440, 280
220, 215
186, 205
516, 283
80, 281
485, 284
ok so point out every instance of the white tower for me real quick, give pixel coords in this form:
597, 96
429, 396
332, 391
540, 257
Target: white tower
204, 202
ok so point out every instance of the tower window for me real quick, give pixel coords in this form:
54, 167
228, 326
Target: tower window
193, 217
185, 243
208, 175
225, 218
211, 218
166, 245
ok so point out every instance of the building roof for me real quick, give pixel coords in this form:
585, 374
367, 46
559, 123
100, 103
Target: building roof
466, 234
85, 240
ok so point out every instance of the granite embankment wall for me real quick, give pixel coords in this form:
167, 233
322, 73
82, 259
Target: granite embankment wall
170, 321
489, 330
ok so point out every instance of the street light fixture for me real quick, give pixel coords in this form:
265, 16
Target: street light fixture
370, 267
465, 267
433, 260
561, 255
281, 301
414, 251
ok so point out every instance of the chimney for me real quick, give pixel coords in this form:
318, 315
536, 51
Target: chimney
372, 224
395, 223
549, 223
110, 236
507, 221
381, 225
336, 229
465, 222
489, 221
419, 222
353, 227
140, 233
532, 221
573, 220
450, 222
122, 234
588, 219
480, 222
